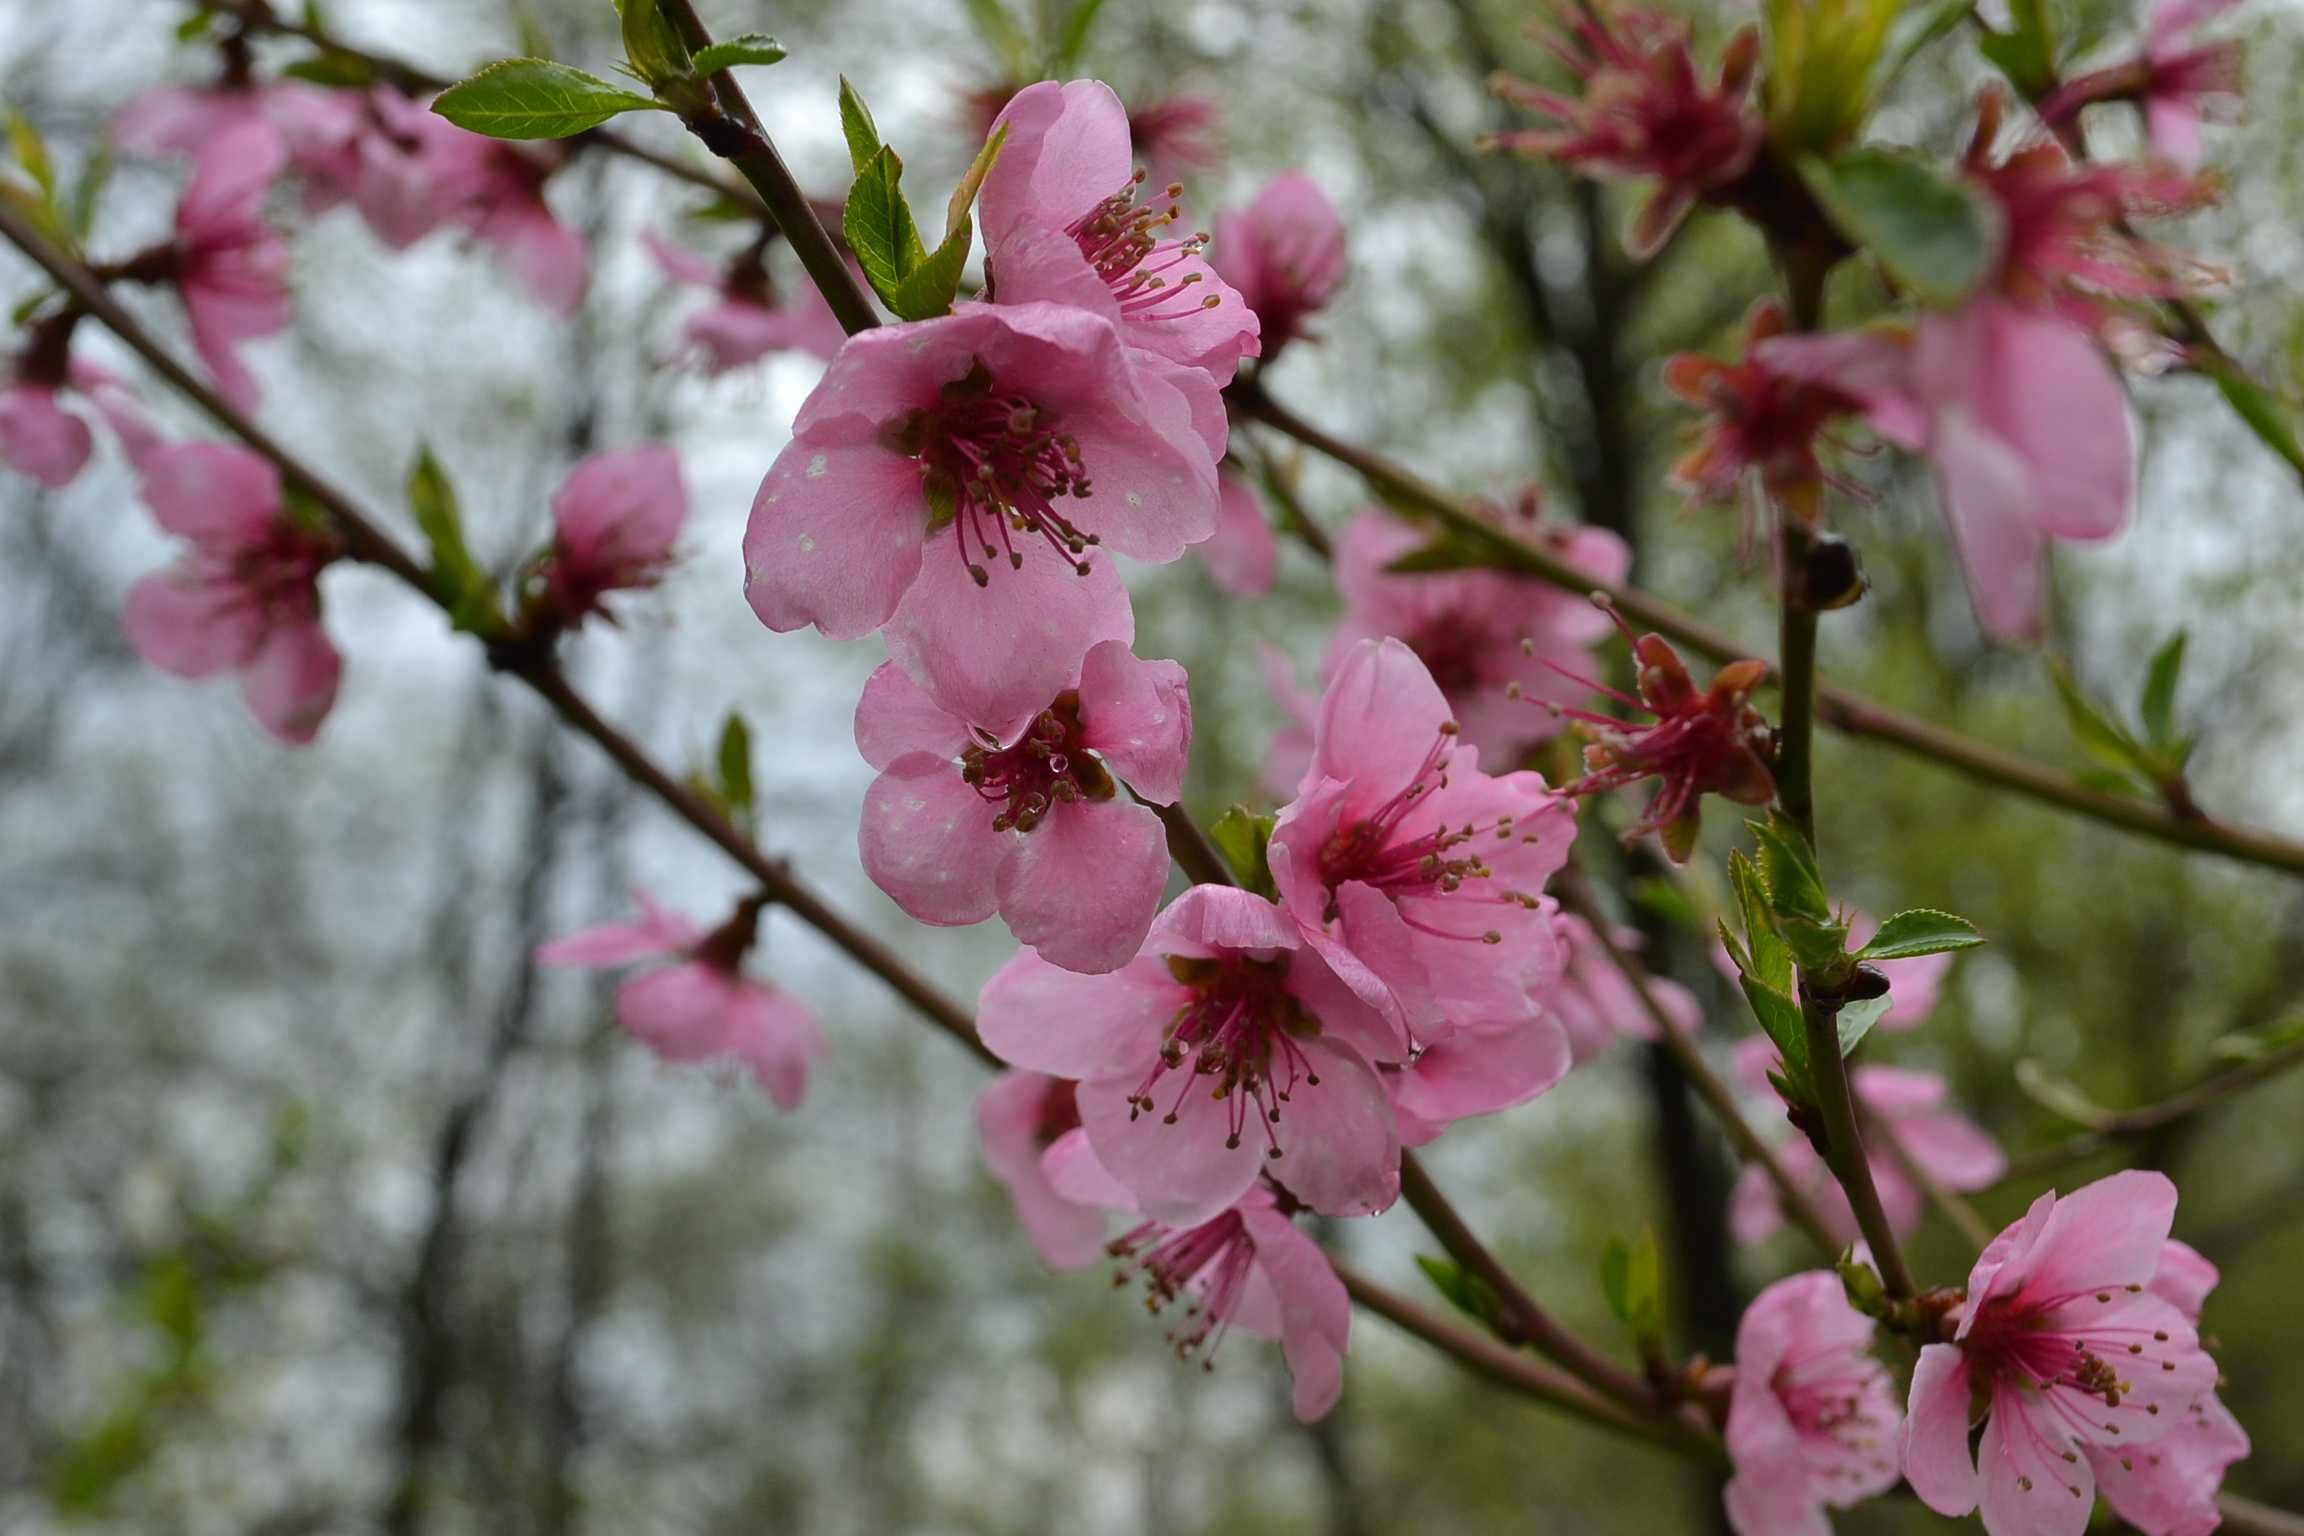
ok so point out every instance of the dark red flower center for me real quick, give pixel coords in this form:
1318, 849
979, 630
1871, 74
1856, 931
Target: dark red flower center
1048, 765
993, 463
1237, 1036
1206, 1267
1442, 861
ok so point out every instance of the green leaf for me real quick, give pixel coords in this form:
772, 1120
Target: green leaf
1445, 553
1771, 959
1074, 37
1632, 1280
735, 761
1820, 59
964, 195
879, 225
2096, 733
1855, 1020
857, 127
25, 145
1244, 838
1920, 931
1666, 898
1780, 1020
195, 26
927, 290
535, 99
2027, 54
2060, 1095
744, 48
90, 189
1934, 233
1788, 865
725, 210
2157, 708
457, 580
333, 68
1466, 1292
2260, 409
653, 49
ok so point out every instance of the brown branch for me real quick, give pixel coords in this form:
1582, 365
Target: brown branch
2128, 1124
1836, 707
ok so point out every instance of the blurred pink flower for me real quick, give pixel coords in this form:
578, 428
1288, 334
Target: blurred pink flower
1761, 424
2023, 421
701, 1007
1246, 1267
1175, 135
963, 822
404, 167
1414, 874
2069, 1351
1242, 557
228, 265
246, 596
614, 520
1491, 640
496, 190
1062, 223
2175, 80
1019, 1116
745, 322
1289, 756
196, 120
2169, 1488
1595, 1002
1902, 1110
1284, 254
1187, 1055
1812, 1417
40, 436
1026, 437
1642, 110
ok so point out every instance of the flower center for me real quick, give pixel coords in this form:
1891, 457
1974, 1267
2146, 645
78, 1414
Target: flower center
1122, 241
1444, 861
993, 463
1238, 1029
2078, 1373
1455, 649
1207, 1266
1047, 765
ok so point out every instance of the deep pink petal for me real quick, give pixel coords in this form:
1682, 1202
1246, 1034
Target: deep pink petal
1082, 886
927, 840
292, 680
621, 508
219, 495
1137, 715
41, 438
187, 623
1067, 149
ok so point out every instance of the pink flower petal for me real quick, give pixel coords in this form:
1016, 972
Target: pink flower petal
1082, 886
1315, 1311
927, 840
1045, 1018
41, 438
1137, 715
2028, 1488
1068, 1234
895, 717
777, 1038
184, 623
835, 536
2106, 1234
292, 680
1242, 557
1182, 1171
1339, 1145
219, 495
621, 509
1936, 1460
1067, 150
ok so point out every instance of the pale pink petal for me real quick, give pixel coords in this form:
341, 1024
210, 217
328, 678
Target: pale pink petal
1182, 1170
1066, 150
774, 1035
41, 438
996, 655
2105, 1235
1073, 1172
292, 680
895, 717
219, 495
1137, 715
2169, 1488
927, 840
1242, 557
1043, 1017
1378, 721
2172, 123
1151, 461
2005, 1261
2027, 1487
544, 253
1479, 1072
679, 263
1936, 1460
1068, 1234
1186, 328
681, 1012
613, 944
2184, 1278
1082, 886
183, 119
1339, 1145
185, 623
2054, 399
1315, 1311
230, 178
1209, 920
1041, 264
1755, 1214
1987, 492
835, 536
1349, 1019
1955, 1151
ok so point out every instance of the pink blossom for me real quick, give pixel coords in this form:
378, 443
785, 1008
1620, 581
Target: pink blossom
1187, 1055
1479, 1070
1414, 874
746, 322
1709, 741
1643, 111
2169, 1487
1062, 224
1019, 1116
228, 265
2023, 421
964, 822
1284, 254
196, 120
1175, 135
1761, 424
497, 191
1246, 1267
246, 596
2068, 1349
700, 1007
1596, 1003
41, 437
1812, 1417
1026, 437
614, 520
2174, 79
1243, 558
405, 168
1904, 1112
1491, 640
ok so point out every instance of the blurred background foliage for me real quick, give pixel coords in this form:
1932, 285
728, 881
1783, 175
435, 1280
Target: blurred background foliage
321, 1210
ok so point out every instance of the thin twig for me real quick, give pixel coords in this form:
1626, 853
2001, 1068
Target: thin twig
1835, 707
1798, 1207
2128, 1124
